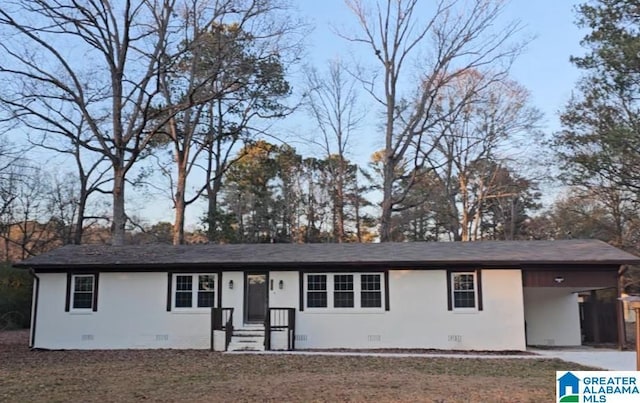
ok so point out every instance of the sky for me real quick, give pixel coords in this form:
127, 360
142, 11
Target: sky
544, 67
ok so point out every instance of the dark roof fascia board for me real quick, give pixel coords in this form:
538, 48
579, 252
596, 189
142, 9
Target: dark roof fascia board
204, 267
325, 266
595, 266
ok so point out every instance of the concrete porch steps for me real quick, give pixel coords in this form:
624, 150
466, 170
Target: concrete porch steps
247, 339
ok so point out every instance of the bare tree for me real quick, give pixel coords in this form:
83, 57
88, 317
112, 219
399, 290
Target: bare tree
24, 220
69, 201
13, 173
70, 195
470, 149
8, 160
94, 61
8, 196
233, 65
458, 37
333, 103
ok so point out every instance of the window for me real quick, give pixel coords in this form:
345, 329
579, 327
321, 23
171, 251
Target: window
317, 290
464, 290
464, 294
206, 293
184, 291
343, 290
194, 290
82, 292
371, 294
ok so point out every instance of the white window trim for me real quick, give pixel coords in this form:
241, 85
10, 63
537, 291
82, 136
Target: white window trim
194, 293
72, 297
475, 292
357, 290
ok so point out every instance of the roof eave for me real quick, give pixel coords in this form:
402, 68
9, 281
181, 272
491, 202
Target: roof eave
496, 264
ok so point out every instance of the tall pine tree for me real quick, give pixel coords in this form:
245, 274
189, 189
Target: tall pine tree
599, 145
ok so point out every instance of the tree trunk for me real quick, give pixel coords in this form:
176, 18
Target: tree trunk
180, 203
512, 224
464, 222
387, 204
453, 220
464, 226
212, 209
82, 207
119, 219
356, 207
340, 202
477, 222
180, 206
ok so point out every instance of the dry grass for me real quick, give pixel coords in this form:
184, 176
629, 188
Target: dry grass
171, 375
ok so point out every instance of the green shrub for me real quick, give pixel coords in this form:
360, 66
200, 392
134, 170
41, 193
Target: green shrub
15, 297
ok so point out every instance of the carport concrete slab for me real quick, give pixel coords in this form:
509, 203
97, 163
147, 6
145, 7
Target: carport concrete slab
612, 360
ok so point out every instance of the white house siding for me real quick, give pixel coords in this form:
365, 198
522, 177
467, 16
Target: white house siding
131, 314
418, 317
234, 298
552, 316
288, 296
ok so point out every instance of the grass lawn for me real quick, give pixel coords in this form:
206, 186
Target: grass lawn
193, 375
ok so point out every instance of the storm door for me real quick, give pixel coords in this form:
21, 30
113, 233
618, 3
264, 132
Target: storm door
255, 295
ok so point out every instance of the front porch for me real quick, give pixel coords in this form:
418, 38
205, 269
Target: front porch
276, 332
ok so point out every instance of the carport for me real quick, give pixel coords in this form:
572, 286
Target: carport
552, 310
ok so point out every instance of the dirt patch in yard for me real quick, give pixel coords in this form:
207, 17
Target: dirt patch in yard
194, 375
14, 337
431, 351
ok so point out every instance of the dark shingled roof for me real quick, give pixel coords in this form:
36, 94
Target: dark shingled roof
294, 256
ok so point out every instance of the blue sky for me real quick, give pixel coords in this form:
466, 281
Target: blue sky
544, 68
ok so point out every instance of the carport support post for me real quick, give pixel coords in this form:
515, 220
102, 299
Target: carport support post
634, 303
637, 310
622, 331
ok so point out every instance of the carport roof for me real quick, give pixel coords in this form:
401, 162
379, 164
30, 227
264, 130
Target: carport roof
400, 255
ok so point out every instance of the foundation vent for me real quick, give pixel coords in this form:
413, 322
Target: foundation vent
301, 337
87, 337
162, 337
372, 338
455, 338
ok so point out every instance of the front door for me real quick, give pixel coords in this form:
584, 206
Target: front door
255, 295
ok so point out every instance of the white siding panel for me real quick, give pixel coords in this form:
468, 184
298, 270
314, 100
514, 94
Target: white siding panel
131, 314
234, 298
552, 315
288, 296
418, 317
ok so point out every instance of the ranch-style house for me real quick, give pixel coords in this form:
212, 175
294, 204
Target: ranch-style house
501, 295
